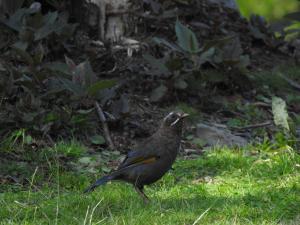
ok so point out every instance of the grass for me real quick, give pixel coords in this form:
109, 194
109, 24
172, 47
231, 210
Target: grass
224, 186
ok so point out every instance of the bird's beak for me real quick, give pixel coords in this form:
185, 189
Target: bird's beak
180, 117
183, 115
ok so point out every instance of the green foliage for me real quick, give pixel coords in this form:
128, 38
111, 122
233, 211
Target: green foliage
16, 138
186, 57
72, 149
284, 16
281, 143
33, 26
186, 38
271, 9
41, 96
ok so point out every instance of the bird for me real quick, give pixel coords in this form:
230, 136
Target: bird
150, 159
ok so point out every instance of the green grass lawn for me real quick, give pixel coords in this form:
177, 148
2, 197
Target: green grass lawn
222, 187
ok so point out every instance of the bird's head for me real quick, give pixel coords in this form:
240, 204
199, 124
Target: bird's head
174, 121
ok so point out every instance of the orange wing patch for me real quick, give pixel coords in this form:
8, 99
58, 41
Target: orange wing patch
142, 160
150, 160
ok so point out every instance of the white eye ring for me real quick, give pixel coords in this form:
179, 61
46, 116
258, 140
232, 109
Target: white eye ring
169, 115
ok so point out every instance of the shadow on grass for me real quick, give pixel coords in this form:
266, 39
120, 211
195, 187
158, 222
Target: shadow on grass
273, 205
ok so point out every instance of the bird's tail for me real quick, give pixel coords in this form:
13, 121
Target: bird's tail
99, 182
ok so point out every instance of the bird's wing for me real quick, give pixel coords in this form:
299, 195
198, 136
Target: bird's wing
143, 155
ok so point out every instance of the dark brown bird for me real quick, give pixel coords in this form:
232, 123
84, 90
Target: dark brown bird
151, 159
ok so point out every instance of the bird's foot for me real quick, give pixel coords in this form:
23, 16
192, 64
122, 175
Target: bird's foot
142, 194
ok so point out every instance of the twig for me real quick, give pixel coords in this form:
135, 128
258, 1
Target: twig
294, 84
200, 217
253, 126
104, 125
262, 104
52, 143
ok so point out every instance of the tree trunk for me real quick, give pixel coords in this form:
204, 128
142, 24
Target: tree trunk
111, 18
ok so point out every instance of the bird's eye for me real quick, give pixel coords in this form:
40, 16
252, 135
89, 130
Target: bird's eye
173, 117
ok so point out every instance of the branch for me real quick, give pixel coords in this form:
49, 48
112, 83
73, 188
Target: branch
252, 126
104, 125
294, 84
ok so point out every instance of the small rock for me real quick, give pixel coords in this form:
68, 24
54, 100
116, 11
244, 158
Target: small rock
215, 136
206, 179
189, 151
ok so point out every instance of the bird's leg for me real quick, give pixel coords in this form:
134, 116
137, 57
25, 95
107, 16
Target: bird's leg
139, 189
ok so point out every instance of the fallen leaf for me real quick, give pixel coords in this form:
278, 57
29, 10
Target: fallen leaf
97, 140
158, 93
280, 113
